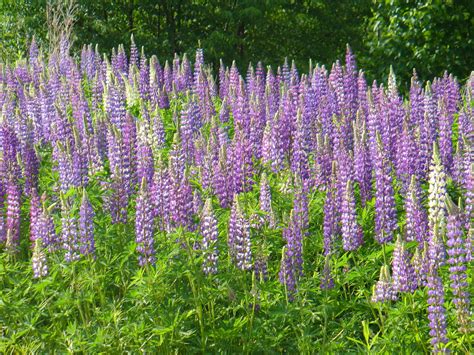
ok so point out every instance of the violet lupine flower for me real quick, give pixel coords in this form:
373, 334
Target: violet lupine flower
30, 168
352, 235
260, 268
69, 232
403, 272
291, 267
436, 310
457, 267
362, 164
13, 214
327, 281
144, 228
209, 239
331, 215
86, 226
436, 209
144, 156
35, 211
416, 217
469, 211
239, 237
265, 200
385, 212
383, 290
133, 52
220, 180
421, 264
299, 159
300, 203
445, 137
406, 157
38, 260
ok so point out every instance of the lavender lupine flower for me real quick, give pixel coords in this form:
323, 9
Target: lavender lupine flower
220, 181
385, 212
403, 272
445, 137
35, 211
421, 264
209, 239
291, 266
436, 209
144, 226
260, 268
406, 157
69, 232
362, 164
38, 260
352, 235
469, 210
327, 281
13, 214
457, 267
299, 159
265, 200
144, 155
86, 226
331, 214
383, 290
239, 237
436, 310
416, 218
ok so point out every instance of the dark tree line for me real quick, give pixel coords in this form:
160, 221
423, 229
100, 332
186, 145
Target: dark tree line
428, 35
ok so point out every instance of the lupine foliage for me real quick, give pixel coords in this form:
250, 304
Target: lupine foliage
151, 206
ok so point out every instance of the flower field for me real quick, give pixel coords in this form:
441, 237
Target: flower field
161, 207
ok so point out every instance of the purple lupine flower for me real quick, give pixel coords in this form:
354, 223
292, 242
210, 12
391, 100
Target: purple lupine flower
220, 180
38, 260
291, 266
383, 290
445, 137
239, 237
161, 195
133, 52
327, 281
209, 239
469, 210
421, 264
13, 214
352, 235
30, 168
416, 218
331, 215
416, 101
362, 164
260, 268
144, 229
86, 226
69, 232
456, 251
436, 311
385, 212
403, 272
265, 200
300, 203
35, 211
144, 155
350, 87
406, 157
436, 209
299, 158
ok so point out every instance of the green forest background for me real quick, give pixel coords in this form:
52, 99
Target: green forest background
431, 36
